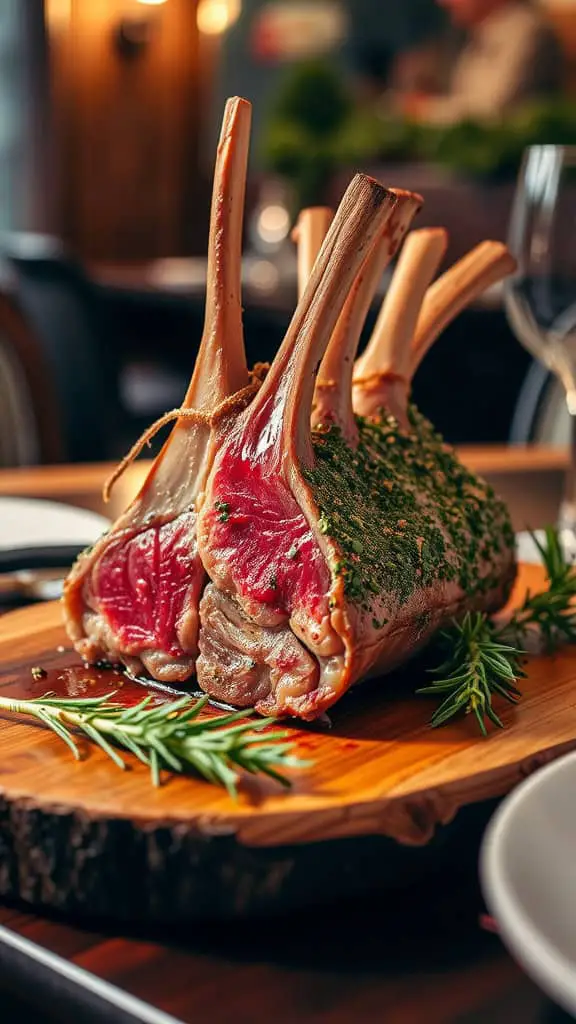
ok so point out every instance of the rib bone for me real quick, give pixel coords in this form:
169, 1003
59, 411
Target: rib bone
381, 372
290, 381
220, 369
309, 234
333, 396
482, 267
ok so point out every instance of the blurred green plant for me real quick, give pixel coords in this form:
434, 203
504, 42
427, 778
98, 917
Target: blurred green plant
493, 149
314, 130
314, 96
306, 117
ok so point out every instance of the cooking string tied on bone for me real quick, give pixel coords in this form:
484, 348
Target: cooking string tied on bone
234, 403
373, 381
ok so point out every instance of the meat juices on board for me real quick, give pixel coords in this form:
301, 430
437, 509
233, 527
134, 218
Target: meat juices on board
134, 597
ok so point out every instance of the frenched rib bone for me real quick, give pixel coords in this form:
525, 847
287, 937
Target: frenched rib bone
134, 597
381, 373
360, 219
333, 397
485, 265
309, 234
333, 390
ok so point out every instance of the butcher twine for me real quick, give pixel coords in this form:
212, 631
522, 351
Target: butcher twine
234, 404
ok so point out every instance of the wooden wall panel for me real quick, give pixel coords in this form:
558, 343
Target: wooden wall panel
127, 131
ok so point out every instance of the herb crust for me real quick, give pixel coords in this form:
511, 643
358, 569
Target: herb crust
403, 512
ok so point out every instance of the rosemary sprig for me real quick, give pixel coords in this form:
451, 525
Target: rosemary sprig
483, 659
477, 668
168, 736
552, 612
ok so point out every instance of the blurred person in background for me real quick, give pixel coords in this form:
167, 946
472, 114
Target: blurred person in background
511, 56
395, 49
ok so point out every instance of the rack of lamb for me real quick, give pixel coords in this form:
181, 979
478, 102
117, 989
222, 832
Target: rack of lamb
297, 536
338, 531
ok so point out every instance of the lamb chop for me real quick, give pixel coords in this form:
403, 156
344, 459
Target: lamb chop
134, 597
335, 553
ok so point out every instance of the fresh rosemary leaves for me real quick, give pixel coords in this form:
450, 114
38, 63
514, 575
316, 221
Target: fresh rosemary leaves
483, 658
551, 612
478, 667
169, 736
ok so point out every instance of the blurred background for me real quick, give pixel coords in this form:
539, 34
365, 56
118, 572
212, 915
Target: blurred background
109, 115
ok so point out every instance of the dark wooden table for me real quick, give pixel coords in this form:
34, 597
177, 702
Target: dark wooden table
412, 956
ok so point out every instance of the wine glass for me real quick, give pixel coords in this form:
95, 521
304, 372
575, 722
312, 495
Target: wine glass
541, 297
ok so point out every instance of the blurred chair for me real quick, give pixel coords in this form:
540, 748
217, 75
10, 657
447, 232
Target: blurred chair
73, 343
98, 403
29, 430
541, 415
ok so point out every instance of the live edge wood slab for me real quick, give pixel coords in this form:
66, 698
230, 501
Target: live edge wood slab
85, 837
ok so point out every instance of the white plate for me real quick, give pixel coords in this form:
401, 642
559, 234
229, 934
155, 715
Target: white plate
33, 523
528, 872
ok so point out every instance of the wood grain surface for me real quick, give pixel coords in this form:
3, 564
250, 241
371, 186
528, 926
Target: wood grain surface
378, 771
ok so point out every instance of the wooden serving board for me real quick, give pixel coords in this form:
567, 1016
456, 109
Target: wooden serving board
85, 836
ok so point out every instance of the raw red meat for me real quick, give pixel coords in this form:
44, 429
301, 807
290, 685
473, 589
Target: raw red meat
134, 597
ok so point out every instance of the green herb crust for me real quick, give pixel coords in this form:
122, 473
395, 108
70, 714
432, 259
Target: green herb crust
403, 512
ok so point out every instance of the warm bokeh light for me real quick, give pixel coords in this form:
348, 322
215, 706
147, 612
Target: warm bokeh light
152, 3
273, 224
58, 13
215, 16
263, 276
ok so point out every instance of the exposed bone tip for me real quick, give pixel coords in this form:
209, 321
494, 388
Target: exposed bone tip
501, 253
318, 217
238, 115
366, 183
237, 102
481, 268
439, 234
491, 243
403, 194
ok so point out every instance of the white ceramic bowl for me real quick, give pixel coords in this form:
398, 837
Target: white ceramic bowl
528, 874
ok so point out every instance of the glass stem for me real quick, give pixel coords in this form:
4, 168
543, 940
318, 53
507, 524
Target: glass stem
567, 517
